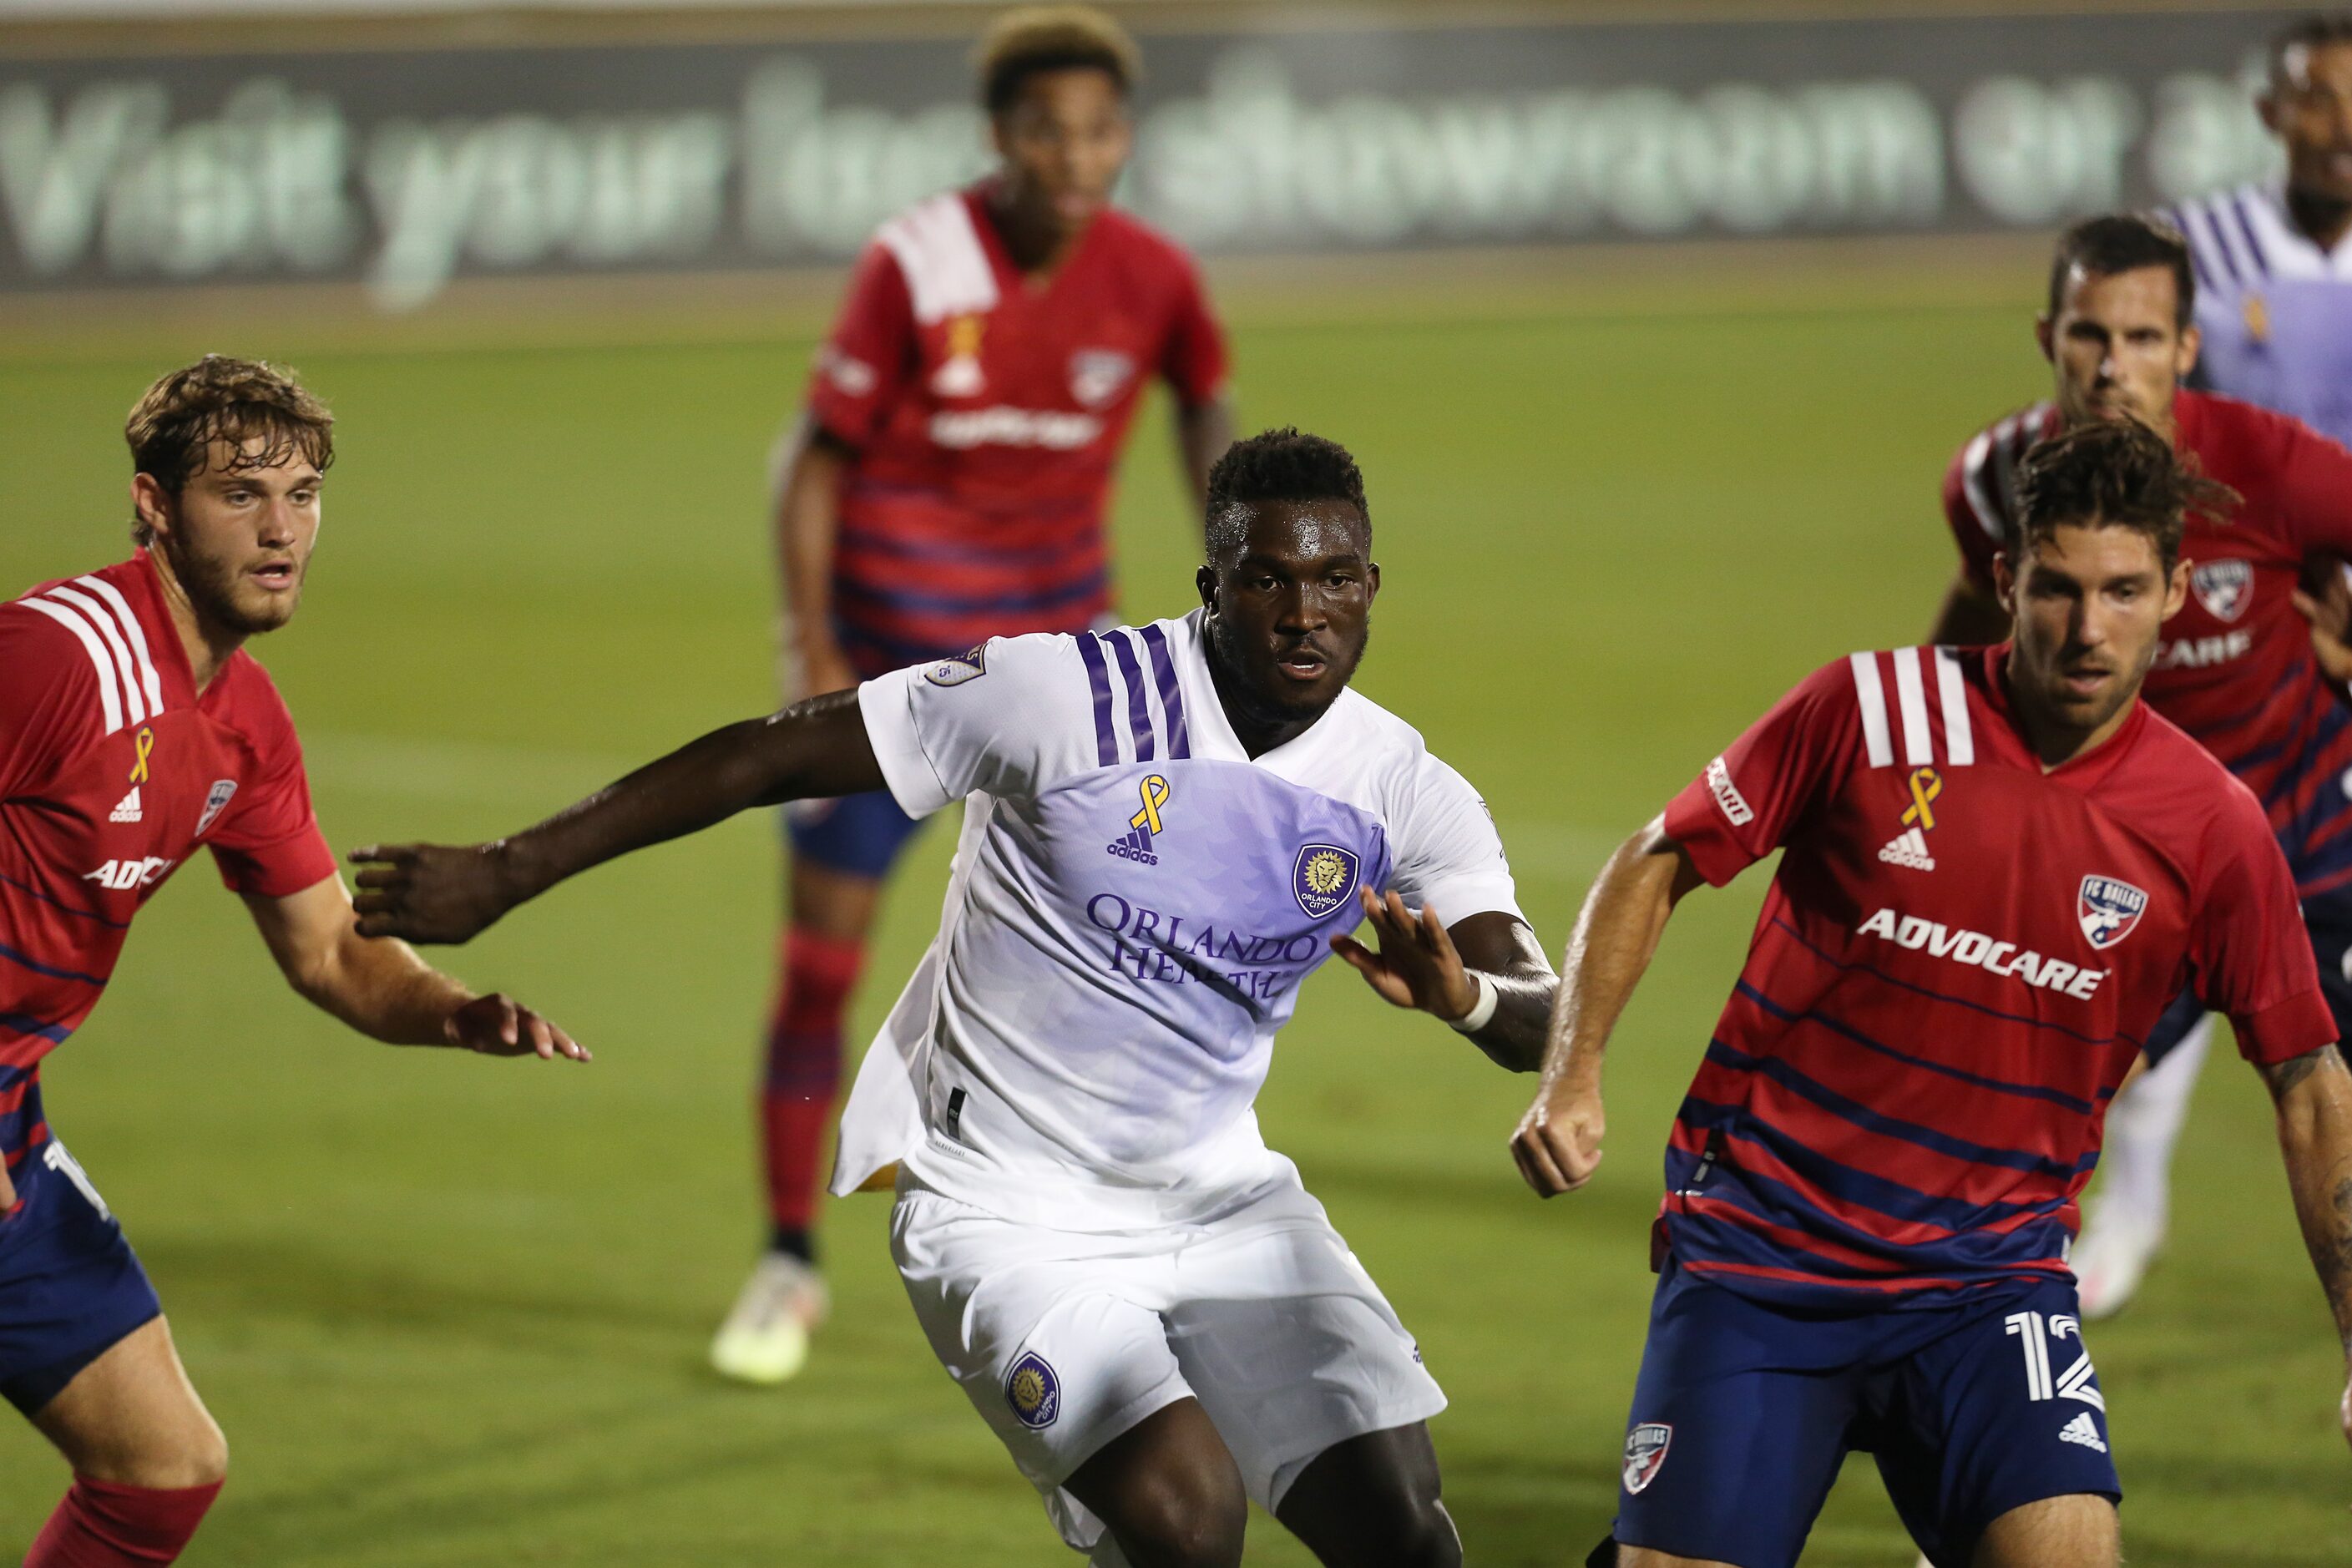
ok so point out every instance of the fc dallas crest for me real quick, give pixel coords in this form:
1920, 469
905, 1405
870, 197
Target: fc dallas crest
2108, 909
2223, 587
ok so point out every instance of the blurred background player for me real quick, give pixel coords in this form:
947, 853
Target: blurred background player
2236, 668
134, 727
2000, 863
948, 483
2274, 262
1182, 820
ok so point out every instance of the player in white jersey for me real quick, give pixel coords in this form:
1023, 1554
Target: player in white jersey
1168, 828
2273, 266
2274, 259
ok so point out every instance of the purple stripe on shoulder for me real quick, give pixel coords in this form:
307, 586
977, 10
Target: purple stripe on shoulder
1098, 677
1139, 712
2254, 241
1171, 695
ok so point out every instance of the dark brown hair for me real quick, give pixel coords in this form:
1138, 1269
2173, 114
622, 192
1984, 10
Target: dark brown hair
173, 424
2317, 31
2113, 473
1021, 44
2125, 242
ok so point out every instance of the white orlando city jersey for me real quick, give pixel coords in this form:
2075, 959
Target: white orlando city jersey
1134, 903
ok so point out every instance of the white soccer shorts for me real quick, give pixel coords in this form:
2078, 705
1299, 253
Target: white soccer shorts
1063, 1340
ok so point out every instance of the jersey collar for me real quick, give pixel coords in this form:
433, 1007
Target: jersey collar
2084, 772
1212, 732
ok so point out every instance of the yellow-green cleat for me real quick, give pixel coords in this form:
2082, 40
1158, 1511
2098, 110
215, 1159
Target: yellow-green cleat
765, 1339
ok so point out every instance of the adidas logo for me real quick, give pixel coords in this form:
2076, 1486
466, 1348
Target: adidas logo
1908, 847
2082, 1430
127, 809
1135, 845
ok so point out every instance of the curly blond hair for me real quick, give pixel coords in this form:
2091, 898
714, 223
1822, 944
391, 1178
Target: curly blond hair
1021, 43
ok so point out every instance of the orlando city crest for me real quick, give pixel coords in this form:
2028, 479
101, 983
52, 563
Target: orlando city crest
1645, 1453
2108, 909
1322, 878
2223, 587
1033, 1391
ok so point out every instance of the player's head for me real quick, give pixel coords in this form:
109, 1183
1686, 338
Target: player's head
2307, 103
1055, 81
2093, 566
226, 458
2116, 330
1289, 578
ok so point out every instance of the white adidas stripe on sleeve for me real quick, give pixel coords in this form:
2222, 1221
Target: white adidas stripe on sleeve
1872, 694
1952, 693
148, 680
133, 702
98, 658
1919, 745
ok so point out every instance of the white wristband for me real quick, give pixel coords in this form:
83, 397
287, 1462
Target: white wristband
1482, 1011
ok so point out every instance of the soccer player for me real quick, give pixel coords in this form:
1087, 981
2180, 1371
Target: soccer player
2274, 265
134, 727
2000, 866
2236, 668
946, 484
1168, 828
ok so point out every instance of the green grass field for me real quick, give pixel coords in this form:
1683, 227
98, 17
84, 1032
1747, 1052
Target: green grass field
453, 1311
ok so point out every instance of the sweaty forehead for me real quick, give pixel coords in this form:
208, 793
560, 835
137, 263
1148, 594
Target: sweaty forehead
2096, 552
2141, 290
1300, 530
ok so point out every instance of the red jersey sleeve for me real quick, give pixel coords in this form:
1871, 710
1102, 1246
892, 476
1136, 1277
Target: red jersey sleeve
1977, 536
46, 679
267, 842
2247, 951
2314, 480
863, 366
1194, 361
1745, 803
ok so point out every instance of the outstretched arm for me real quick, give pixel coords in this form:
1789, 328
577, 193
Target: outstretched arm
1558, 1144
1453, 972
2312, 1093
428, 892
1204, 431
379, 987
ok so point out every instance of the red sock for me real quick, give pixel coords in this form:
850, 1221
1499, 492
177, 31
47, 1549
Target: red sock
103, 1525
803, 1072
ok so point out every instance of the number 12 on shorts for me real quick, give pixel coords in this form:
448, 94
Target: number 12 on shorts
2035, 1332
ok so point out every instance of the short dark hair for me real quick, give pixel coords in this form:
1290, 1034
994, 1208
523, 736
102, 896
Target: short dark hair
1037, 38
174, 423
2113, 473
1278, 466
2125, 242
2318, 30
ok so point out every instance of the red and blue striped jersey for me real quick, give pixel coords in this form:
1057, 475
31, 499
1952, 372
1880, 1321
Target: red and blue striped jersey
2236, 668
113, 768
987, 413
1956, 964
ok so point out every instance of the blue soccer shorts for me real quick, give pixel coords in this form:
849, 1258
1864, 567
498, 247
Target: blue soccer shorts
70, 1286
1744, 1411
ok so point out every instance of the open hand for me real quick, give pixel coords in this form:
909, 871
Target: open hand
1416, 965
2328, 608
499, 1026
1558, 1145
430, 892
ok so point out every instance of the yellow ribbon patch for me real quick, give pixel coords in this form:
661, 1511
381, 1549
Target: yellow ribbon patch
1155, 796
145, 741
1924, 787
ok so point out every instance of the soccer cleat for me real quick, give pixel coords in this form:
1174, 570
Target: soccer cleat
765, 1339
2111, 1260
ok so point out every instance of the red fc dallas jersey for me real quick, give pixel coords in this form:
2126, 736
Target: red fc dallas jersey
2236, 668
987, 416
112, 770
1957, 962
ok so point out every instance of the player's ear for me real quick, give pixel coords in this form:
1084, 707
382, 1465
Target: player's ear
2176, 589
1205, 580
2266, 104
2191, 341
2004, 584
150, 503
2046, 334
